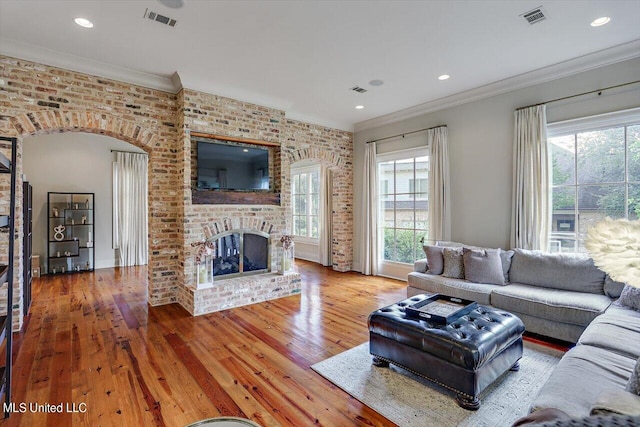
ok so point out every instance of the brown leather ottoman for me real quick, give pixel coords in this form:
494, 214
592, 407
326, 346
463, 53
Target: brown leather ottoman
464, 356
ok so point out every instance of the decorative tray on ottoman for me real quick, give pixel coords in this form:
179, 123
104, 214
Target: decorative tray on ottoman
440, 309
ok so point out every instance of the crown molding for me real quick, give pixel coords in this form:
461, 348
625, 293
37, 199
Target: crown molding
81, 64
581, 64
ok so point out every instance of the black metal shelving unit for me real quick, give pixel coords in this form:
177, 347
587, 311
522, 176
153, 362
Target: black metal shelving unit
7, 223
72, 248
27, 239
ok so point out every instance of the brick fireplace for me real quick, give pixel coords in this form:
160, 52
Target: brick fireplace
291, 141
234, 239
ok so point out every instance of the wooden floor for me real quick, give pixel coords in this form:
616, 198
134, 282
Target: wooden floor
92, 344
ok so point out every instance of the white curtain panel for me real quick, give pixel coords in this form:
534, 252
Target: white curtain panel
439, 185
326, 209
130, 208
369, 224
531, 178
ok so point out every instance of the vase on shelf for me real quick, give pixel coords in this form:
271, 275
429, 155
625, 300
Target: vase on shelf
204, 270
285, 254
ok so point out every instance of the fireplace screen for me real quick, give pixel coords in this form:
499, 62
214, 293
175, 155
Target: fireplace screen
240, 253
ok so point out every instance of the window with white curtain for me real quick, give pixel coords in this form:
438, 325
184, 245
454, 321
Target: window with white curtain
403, 202
305, 195
595, 173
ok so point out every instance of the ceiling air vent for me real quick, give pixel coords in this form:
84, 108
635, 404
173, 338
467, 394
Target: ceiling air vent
534, 16
358, 89
160, 18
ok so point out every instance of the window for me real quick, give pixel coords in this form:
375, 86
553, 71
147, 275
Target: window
305, 194
421, 188
403, 216
595, 173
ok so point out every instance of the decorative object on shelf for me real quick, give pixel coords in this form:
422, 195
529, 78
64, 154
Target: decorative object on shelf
73, 222
285, 253
89, 241
59, 232
56, 212
614, 245
58, 254
84, 219
76, 206
86, 204
204, 262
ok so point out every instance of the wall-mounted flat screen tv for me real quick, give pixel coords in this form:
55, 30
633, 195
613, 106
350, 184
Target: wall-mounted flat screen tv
227, 166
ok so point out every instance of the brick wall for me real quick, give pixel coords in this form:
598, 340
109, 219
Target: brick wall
39, 99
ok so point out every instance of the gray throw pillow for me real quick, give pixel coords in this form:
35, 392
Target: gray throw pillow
435, 262
630, 298
505, 257
633, 385
612, 288
483, 266
453, 263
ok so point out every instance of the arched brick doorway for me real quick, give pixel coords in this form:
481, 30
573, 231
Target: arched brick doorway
163, 206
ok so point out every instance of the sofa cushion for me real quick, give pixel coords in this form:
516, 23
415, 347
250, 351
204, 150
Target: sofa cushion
552, 304
435, 261
617, 331
483, 266
557, 271
581, 377
453, 264
612, 288
430, 283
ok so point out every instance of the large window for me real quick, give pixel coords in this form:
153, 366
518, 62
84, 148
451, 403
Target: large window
595, 173
403, 206
305, 193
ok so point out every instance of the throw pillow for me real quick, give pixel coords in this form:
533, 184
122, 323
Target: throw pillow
630, 298
505, 257
483, 266
633, 385
435, 262
453, 263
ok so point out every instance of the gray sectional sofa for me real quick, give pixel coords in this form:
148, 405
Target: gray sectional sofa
555, 295
567, 298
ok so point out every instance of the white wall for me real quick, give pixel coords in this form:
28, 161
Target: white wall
73, 162
480, 146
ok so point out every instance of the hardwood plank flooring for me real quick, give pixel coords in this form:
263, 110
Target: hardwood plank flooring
92, 344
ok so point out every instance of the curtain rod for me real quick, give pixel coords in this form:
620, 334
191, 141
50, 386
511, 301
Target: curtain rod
406, 133
130, 152
598, 91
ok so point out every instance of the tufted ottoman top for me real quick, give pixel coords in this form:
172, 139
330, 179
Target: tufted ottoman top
469, 341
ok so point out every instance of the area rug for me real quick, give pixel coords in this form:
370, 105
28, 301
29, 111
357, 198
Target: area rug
409, 400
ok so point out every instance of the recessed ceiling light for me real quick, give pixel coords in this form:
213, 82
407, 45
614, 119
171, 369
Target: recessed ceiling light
600, 21
359, 107
444, 77
245, 150
83, 22
173, 4
376, 82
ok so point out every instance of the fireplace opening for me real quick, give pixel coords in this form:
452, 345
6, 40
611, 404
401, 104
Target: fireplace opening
240, 253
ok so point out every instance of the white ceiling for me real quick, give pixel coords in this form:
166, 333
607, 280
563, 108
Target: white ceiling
303, 56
